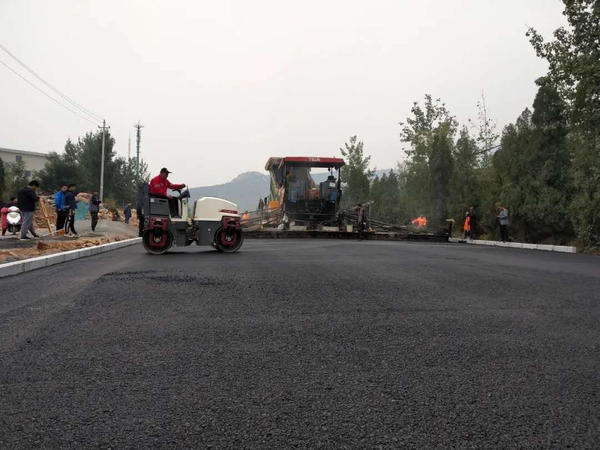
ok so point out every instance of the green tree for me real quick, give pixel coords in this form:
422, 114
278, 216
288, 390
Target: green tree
485, 133
574, 68
532, 166
60, 168
429, 131
386, 193
441, 165
464, 183
550, 162
356, 174
16, 177
80, 164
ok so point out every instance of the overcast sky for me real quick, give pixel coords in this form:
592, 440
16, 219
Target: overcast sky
222, 85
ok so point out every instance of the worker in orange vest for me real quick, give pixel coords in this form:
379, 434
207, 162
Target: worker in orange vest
245, 218
467, 225
420, 221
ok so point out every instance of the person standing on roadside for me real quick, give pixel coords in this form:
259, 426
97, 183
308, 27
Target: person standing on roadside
503, 220
139, 206
94, 208
71, 205
467, 226
127, 212
59, 206
472, 223
27, 198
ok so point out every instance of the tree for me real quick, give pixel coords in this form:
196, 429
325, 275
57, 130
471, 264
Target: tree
61, 168
486, 136
429, 132
441, 165
386, 196
80, 164
356, 174
574, 68
15, 177
550, 163
464, 184
532, 166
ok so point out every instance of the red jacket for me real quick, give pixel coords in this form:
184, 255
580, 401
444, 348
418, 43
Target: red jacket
158, 186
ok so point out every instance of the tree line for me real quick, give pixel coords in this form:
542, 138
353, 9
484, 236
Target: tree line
544, 167
79, 164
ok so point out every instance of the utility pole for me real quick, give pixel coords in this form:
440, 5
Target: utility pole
103, 128
129, 148
138, 127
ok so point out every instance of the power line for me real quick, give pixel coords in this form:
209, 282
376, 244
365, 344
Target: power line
64, 96
46, 94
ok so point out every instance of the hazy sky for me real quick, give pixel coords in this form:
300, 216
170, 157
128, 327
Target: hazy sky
222, 85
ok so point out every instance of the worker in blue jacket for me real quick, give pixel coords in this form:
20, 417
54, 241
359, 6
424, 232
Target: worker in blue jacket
59, 205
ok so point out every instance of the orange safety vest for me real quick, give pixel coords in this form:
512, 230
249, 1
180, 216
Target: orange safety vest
467, 226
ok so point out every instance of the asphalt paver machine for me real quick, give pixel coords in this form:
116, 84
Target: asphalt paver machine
302, 199
167, 222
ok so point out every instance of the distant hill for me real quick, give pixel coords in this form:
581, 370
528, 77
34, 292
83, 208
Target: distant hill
247, 188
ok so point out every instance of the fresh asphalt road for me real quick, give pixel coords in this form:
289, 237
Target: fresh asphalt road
304, 343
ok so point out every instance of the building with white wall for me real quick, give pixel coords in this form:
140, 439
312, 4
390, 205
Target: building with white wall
33, 161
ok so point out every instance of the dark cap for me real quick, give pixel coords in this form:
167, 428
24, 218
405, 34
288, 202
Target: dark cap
164, 170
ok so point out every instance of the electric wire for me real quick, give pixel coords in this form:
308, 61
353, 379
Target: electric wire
64, 96
46, 94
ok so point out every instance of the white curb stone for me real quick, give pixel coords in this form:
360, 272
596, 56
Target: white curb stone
17, 267
547, 248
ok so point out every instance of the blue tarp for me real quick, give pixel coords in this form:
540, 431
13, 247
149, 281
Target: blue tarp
81, 211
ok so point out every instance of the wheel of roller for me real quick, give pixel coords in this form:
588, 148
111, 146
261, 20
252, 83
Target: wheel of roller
153, 250
228, 241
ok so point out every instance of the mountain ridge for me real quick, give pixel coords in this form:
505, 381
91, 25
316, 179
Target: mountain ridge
247, 188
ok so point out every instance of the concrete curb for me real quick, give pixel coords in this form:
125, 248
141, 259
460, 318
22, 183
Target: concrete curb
26, 265
547, 248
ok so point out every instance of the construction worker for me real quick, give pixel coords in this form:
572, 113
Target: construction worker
71, 207
59, 206
27, 199
158, 188
503, 221
94, 209
245, 218
467, 225
420, 222
127, 212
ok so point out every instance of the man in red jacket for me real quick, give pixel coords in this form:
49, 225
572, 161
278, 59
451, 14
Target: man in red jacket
159, 185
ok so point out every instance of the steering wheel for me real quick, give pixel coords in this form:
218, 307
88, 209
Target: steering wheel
179, 191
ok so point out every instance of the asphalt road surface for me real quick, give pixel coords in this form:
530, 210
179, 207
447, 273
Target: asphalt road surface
307, 343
